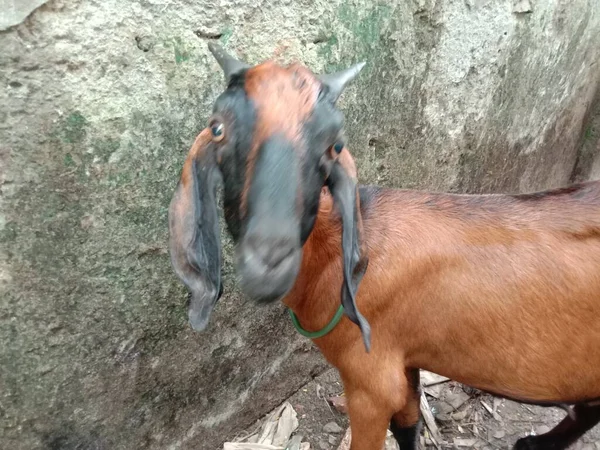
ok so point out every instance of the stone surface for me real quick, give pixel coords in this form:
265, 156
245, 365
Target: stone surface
332, 427
13, 12
588, 162
99, 102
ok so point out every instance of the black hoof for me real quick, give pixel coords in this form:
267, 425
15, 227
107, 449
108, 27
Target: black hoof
526, 443
536, 443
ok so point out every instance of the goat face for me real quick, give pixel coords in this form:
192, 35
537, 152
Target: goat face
274, 139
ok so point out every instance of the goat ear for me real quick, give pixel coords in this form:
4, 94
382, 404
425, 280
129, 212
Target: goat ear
343, 187
194, 233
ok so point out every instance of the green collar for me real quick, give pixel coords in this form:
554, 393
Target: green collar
323, 331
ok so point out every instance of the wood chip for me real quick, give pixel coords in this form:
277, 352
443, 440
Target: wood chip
430, 422
460, 415
497, 402
459, 442
345, 444
489, 409
456, 399
430, 378
252, 438
249, 446
435, 391
390, 442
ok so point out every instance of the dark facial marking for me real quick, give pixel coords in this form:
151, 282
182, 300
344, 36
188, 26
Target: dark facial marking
238, 114
273, 186
284, 99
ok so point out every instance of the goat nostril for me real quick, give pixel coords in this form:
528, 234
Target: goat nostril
272, 253
277, 254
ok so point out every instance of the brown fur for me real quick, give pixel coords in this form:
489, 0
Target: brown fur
182, 206
284, 98
495, 291
199, 146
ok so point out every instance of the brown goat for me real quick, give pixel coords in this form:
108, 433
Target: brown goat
499, 292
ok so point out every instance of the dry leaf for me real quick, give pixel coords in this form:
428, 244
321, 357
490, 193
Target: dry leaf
456, 399
464, 442
249, 446
274, 434
270, 426
430, 421
286, 425
345, 444
295, 443
430, 378
390, 442
489, 409
435, 390
460, 415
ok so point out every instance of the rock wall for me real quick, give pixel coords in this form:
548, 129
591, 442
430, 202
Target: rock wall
100, 101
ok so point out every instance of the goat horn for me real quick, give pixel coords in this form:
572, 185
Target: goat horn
338, 81
228, 63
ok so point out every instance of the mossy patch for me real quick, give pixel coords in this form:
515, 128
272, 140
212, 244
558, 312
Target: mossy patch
227, 33
360, 34
590, 133
71, 130
326, 50
68, 160
103, 148
181, 50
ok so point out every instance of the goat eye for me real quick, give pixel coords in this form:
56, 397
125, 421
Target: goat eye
338, 147
217, 130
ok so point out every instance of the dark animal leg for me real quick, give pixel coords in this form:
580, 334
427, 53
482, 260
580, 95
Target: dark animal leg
565, 433
406, 424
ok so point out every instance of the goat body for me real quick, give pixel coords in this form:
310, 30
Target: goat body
499, 292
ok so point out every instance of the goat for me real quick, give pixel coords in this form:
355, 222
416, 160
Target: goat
499, 292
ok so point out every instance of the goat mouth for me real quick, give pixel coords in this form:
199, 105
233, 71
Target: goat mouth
264, 283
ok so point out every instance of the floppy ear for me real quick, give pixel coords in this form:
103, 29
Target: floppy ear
194, 233
343, 187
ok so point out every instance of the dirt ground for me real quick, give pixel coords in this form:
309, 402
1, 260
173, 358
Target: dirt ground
466, 418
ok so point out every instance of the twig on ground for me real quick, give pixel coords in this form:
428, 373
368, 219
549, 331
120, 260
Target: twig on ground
345, 444
436, 437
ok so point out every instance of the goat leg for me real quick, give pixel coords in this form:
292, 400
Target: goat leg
406, 424
368, 422
570, 429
